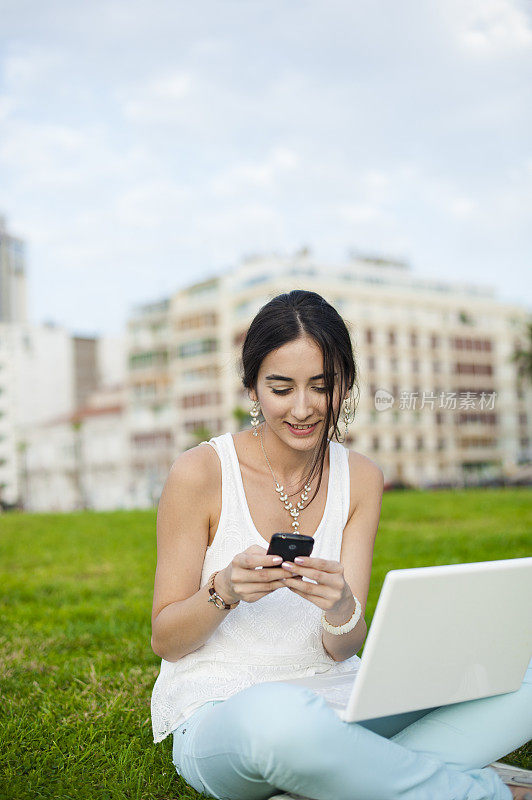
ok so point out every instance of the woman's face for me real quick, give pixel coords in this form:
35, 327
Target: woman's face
291, 392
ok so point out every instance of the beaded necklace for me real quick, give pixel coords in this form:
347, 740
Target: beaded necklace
283, 497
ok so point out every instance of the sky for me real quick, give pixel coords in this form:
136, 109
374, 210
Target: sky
145, 145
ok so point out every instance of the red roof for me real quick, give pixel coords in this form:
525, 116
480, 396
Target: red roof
85, 412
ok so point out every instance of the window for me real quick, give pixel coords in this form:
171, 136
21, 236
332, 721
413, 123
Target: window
197, 347
209, 287
461, 368
201, 399
208, 319
482, 417
142, 441
200, 373
254, 280
149, 359
471, 344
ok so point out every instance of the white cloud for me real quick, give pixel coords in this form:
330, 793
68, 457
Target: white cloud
43, 153
7, 106
46, 156
264, 174
151, 205
157, 100
462, 207
153, 143
362, 213
487, 27
25, 67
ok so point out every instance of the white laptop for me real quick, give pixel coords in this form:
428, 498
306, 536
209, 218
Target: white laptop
440, 635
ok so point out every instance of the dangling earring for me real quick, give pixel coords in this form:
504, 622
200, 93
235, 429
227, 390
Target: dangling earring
254, 413
347, 417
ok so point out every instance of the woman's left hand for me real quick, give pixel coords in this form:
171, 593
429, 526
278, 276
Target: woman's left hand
330, 592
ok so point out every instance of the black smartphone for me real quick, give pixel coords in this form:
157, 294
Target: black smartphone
290, 545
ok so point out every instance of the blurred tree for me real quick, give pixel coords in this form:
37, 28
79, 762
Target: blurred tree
523, 355
77, 426
241, 416
22, 450
465, 318
202, 434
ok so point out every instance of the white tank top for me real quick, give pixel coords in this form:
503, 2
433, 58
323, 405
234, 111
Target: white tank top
276, 638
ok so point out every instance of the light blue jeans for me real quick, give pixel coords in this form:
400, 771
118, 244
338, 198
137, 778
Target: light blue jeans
279, 736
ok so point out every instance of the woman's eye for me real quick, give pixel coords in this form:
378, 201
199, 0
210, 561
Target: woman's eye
285, 391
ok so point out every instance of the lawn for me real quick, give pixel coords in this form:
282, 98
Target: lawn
76, 664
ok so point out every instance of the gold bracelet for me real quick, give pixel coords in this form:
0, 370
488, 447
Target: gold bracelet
215, 598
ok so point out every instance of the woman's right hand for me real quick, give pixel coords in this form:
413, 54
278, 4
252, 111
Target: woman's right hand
241, 580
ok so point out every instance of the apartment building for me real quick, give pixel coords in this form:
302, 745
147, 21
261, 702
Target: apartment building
13, 306
150, 414
36, 383
46, 375
81, 459
8, 445
440, 399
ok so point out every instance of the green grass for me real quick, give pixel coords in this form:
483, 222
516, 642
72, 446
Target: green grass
75, 659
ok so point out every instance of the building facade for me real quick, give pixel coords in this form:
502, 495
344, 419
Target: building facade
13, 307
440, 399
81, 459
47, 376
36, 384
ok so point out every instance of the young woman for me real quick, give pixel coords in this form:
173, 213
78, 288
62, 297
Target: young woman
238, 631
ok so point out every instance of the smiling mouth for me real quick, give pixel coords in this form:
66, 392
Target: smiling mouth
301, 427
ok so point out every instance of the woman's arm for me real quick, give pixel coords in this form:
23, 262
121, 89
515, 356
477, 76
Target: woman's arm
182, 617
367, 482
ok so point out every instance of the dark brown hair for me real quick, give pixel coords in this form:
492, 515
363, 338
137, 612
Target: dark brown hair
288, 317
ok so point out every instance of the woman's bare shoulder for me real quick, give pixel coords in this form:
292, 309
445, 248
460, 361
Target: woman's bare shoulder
365, 477
363, 464
196, 467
